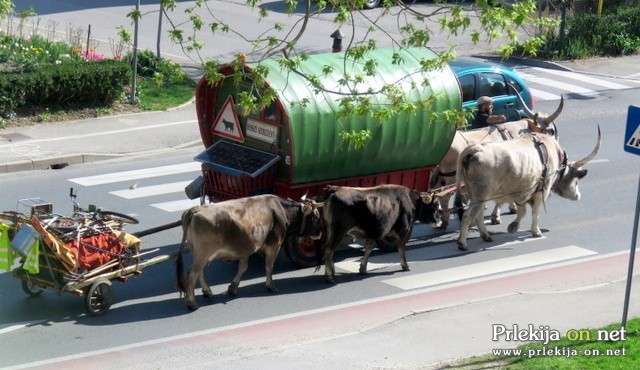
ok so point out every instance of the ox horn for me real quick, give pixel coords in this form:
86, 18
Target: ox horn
524, 106
586, 159
555, 114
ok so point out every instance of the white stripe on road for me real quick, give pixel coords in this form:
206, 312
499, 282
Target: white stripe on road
475, 270
177, 205
583, 78
543, 95
109, 178
102, 133
148, 191
556, 84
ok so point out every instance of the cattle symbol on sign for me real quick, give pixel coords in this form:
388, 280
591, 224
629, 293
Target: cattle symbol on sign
632, 135
226, 123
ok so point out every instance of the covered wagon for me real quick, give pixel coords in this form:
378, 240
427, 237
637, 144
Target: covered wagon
294, 146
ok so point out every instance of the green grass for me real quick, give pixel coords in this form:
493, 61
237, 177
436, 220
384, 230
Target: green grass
575, 354
166, 95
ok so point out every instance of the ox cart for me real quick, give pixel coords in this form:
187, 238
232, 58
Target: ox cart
81, 254
293, 146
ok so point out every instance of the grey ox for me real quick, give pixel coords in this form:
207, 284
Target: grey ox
384, 212
445, 173
523, 170
236, 229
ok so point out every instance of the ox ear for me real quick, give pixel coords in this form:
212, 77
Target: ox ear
426, 197
307, 208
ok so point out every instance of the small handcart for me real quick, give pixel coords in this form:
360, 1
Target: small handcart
81, 254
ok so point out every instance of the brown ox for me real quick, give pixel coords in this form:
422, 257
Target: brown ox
236, 229
523, 170
445, 173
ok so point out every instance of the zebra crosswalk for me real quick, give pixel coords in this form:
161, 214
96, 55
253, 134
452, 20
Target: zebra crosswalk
550, 84
125, 185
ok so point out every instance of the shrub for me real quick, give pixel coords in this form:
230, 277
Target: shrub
75, 82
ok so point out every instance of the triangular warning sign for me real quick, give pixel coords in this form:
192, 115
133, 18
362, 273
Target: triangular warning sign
634, 140
226, 123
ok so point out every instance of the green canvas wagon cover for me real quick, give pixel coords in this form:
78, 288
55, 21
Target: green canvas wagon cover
292, 145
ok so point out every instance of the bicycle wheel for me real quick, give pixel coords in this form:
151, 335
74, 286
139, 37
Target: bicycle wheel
118, 217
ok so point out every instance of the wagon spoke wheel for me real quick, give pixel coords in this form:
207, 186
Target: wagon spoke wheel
32, 289
118, 217
303, 252
99, 297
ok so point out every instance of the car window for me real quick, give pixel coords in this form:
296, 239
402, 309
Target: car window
515, 84
492, 84
468, 85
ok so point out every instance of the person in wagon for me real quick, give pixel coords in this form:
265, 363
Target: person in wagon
484, 114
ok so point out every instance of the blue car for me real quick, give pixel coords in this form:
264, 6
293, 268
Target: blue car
477, 78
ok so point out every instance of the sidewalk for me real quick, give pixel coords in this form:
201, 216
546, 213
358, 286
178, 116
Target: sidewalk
51, 146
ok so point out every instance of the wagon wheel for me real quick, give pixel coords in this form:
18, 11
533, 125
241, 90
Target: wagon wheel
32, 289
99, 297
303, 253
118, 217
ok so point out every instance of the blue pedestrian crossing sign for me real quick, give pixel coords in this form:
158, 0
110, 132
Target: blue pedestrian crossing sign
632, 136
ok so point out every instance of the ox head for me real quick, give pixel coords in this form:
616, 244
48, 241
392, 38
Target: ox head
428, 209
570, 173
311, 224
542, 124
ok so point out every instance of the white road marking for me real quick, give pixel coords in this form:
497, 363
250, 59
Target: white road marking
480, 269
557, 84
177, 205
583, 78
148, 191
109, 178
109, 133
543, 95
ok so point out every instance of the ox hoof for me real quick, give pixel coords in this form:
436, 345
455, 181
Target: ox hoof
363, 270
513, 227
537, 234
192, 306
330, 280
486, 238
272, 289
443, 225
406, 268
232, 290
496, 221
462, 246
207, 295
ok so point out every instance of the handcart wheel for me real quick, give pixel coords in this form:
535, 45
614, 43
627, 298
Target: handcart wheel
119, 217
32, 290
99, 297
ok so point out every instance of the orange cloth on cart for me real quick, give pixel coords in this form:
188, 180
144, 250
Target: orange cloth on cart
6, 253
64, 255
96, 250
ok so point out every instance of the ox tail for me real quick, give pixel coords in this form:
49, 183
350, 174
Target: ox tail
461, 176
180, 277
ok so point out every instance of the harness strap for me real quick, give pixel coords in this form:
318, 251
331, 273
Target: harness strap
506, 135
544, 158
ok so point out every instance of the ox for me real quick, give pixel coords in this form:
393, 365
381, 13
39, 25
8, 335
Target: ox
385, 212
445, 172
523, 170
236, 229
